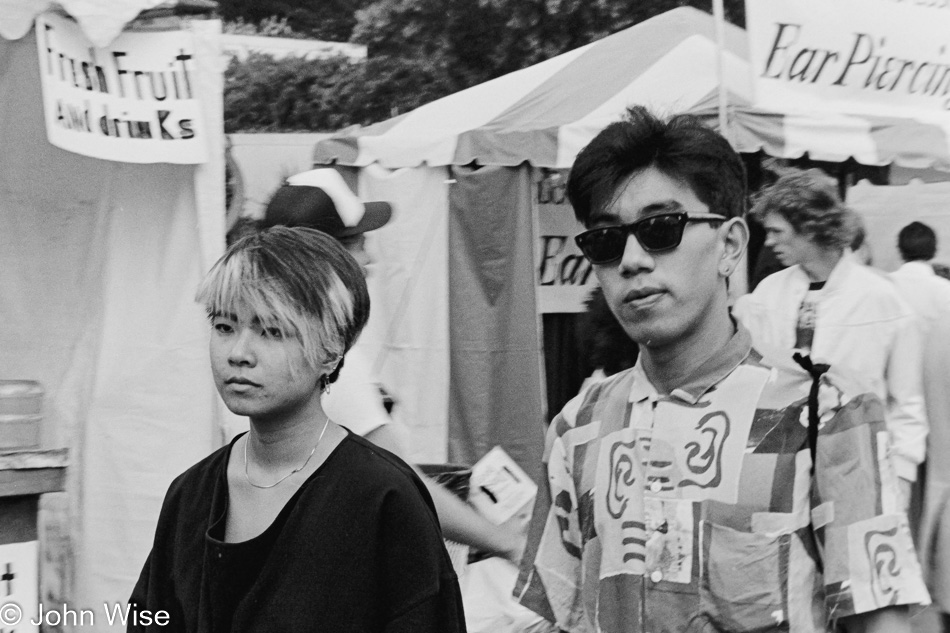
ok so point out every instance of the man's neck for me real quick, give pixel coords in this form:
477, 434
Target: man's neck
670, 366
819, 269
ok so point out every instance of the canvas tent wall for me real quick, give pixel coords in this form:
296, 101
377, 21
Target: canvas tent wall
99, 261
534, 120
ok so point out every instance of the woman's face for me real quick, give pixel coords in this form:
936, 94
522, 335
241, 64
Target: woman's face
260, 372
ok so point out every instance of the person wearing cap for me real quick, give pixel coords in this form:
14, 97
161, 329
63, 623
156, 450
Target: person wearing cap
321, 199
709, 487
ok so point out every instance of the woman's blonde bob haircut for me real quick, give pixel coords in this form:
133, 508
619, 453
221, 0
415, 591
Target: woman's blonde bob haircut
299, 280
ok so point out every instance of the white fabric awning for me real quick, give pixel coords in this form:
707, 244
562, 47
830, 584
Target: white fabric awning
546, 113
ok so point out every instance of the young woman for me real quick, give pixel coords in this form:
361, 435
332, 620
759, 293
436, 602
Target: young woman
297, 525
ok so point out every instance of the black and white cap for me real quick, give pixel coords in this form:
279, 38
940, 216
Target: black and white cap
320, 199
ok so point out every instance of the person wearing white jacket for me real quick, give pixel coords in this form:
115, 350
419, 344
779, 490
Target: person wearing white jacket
828, 306
929, 296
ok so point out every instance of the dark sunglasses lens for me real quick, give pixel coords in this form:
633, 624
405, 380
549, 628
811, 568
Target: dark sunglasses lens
660, 233
604, 245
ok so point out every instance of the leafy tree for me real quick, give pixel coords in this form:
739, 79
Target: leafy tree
267, 95
483, 39
330, 20
419, 50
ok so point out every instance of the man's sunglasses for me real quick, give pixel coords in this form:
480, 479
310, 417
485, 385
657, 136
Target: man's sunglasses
656, 233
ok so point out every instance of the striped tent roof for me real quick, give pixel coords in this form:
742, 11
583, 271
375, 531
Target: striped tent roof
546, 113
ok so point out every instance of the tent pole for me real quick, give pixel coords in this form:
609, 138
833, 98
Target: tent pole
719, 15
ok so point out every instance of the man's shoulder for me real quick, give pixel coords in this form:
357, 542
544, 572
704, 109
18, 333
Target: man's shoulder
612, 390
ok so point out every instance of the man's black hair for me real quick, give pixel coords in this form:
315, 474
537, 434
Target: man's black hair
681, 147
917, 242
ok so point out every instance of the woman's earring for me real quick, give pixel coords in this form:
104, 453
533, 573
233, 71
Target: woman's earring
325, 384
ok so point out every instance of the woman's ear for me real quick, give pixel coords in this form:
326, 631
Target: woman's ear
735, 236
332, 367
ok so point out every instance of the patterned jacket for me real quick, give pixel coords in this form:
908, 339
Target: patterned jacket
699, 511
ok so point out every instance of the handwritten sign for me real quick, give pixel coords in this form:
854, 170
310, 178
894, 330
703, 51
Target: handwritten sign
134, 101
862, 56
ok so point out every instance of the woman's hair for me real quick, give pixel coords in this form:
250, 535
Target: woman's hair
681, 147
808, 200
299, 280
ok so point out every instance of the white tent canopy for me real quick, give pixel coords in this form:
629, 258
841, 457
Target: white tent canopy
546, 113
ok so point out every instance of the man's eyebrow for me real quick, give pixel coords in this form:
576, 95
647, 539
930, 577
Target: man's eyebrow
606, 218
215, 314
654, 208
664, 206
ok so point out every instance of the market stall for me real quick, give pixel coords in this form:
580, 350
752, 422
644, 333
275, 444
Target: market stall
102, 244
482, 223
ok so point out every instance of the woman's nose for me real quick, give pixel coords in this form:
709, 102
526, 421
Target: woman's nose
242, 348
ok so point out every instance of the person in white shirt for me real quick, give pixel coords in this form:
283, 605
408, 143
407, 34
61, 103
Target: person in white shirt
918, 284
929, 296
830, 307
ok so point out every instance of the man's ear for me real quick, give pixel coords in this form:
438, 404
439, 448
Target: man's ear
734, 233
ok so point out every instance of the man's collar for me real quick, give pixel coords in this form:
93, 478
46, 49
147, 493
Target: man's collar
838, 274
704, 377
919, 268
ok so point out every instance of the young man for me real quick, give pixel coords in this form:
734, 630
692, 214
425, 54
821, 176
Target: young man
827, 305
699, 491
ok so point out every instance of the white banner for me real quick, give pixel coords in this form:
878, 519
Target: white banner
564, 276
859, 56
134, 101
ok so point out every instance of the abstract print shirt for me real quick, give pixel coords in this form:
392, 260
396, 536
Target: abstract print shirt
698, 511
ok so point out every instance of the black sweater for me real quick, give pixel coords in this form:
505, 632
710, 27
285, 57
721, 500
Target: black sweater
356, 549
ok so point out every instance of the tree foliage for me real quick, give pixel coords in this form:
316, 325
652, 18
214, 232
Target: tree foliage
418, 50
330, 20
289, 95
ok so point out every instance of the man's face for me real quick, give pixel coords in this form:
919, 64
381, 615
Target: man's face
660, 297
789, 246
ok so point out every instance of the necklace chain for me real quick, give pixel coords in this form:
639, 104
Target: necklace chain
294, 471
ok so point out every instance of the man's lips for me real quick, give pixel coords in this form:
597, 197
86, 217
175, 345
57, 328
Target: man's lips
642, 295
241, 381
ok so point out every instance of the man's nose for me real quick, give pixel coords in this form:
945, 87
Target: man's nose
635, 258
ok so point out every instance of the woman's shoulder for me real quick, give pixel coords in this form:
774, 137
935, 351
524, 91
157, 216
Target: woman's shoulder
202, 474
361, 455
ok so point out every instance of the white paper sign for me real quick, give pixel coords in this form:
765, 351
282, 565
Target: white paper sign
499, 487
19, 586
565, 278
859, 56
134, 101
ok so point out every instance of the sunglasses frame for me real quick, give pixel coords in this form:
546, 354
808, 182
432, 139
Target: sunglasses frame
683, 218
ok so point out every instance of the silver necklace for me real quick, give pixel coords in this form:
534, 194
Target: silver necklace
294, 471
